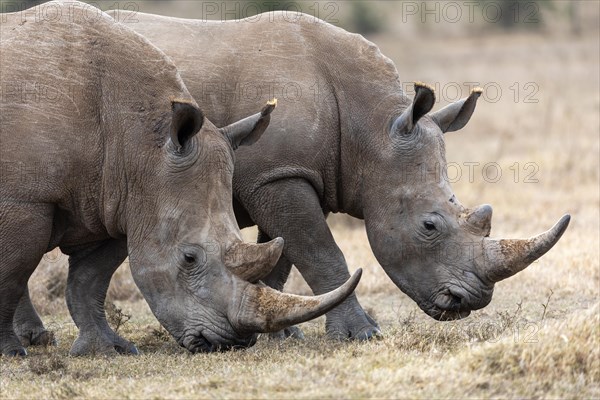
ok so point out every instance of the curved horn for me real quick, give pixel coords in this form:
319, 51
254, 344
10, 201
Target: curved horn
253, 261
258, 308
504, 258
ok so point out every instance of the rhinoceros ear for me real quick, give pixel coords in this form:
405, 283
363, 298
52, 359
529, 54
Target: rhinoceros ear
456, 115
186, 121
421, 105
248, 130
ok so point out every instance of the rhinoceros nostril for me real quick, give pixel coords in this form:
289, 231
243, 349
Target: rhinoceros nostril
448, 301
459, 297
455, 302
197, 344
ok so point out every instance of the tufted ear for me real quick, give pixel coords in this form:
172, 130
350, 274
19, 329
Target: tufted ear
186, 121
456, 115
248, 130
421, 105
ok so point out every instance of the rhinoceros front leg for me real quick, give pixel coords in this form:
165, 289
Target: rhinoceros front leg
90, 271
25, 230
28, 326
290, 208
276, 279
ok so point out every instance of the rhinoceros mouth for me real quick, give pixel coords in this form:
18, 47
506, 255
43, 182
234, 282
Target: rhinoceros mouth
445, 315
198, 343
448, 305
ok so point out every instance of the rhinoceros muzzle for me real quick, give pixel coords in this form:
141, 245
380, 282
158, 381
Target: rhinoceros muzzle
253, 308
200, 344
457, 302
502, 259
197, 344
256, 308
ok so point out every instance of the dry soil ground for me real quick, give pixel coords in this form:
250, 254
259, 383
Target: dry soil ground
538, 338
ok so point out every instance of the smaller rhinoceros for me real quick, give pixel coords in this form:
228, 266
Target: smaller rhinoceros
348, 139
105, 154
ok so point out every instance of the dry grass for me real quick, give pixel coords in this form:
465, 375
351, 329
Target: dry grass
416, 359
538, 338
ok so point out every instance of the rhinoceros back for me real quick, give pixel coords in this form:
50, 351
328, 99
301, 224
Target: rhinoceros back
325, 78
81, 96
73, 82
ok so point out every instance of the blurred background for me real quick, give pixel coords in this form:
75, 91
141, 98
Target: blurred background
531, 148
432, 18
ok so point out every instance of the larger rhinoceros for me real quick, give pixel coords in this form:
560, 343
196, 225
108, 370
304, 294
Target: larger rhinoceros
104, 153
346, 140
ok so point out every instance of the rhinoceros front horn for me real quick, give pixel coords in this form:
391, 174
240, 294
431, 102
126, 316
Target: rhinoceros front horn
253, 261
504, 258
258, 308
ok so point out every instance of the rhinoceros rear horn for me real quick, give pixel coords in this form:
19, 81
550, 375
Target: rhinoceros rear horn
248, 130
421, 105
504, 258
186, 121
456, 115
253, 261
258, 308
479, 220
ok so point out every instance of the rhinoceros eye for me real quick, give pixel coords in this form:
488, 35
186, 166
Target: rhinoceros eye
192, 256
429, 226
189, 258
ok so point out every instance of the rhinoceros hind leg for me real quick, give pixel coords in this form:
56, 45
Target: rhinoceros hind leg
25, 230
29, 327
90, 271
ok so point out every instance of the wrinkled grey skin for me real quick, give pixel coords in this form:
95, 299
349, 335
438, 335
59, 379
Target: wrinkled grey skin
110, 157
347, 139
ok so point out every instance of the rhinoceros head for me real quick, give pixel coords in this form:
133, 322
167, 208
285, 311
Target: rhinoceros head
185, 247
434, 249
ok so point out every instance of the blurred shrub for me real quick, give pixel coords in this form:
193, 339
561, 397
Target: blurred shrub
365, 18
18, 5
521, 13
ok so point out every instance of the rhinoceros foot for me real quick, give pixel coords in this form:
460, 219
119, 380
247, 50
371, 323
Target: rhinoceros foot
14, 352
20, 352
86, 345
37, 338
10, 345
290, 332
353, 325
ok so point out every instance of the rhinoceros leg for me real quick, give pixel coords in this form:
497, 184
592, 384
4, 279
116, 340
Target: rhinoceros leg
276, 279
290, 208
28, 326
90, 271
25, 230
